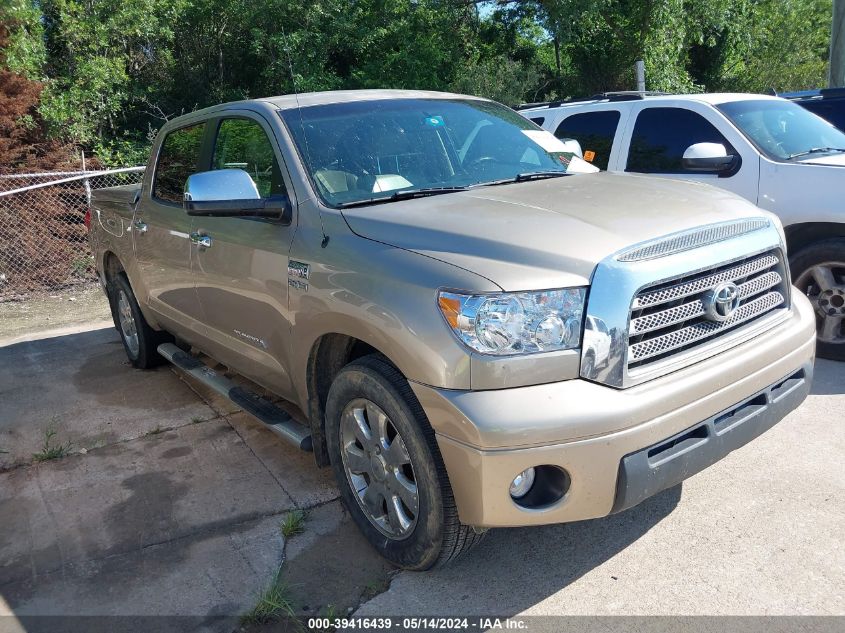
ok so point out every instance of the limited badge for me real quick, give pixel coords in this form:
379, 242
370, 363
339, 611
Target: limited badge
298, 269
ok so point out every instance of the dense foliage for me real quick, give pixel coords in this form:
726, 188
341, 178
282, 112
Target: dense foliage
104, 74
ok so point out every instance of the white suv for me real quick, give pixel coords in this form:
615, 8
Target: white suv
766, 149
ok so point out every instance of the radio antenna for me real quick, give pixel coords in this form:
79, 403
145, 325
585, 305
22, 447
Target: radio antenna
325, 239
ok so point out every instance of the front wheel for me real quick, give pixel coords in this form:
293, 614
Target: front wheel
391, 476
818, 271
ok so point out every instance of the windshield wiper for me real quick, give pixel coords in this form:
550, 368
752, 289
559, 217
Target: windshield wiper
404, 194
524, 177
815, 150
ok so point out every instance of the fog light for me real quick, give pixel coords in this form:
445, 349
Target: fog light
522, 483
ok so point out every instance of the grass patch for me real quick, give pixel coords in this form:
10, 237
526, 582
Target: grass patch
80, 265
294, 523
274, 604
374, 588
49, 450
197, 419
156, 431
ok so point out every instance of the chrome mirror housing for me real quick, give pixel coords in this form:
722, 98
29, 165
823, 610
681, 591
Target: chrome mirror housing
231, 193
221, 185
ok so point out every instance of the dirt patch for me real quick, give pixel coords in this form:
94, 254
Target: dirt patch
28, 317
336, 571
329, 569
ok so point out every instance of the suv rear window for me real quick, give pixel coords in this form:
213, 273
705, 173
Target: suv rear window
662, 135
177, 159
832, 110
594, 131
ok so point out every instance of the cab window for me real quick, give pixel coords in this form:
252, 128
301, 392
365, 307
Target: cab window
177, 159
594, 131
662, 135
243, 144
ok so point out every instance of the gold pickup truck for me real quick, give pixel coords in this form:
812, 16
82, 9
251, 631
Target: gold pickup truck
474, 336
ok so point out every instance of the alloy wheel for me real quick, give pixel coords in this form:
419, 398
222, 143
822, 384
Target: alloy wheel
824, 285
128, 328
379, 469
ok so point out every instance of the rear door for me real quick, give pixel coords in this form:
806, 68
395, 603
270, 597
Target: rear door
242, 277
596, 131
161, 230
660, 133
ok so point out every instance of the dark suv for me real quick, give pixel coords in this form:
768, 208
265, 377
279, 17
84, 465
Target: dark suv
828, 104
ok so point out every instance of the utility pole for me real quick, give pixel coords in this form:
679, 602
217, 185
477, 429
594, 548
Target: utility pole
837, 46
639, 70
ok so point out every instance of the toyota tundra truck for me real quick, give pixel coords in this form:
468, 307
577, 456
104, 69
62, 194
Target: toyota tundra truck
469, 336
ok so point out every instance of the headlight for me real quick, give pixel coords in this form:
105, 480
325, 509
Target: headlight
516, 322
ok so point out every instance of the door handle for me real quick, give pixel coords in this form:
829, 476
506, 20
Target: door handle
204, 241
140, 226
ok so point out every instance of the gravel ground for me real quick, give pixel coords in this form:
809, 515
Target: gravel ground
27, 318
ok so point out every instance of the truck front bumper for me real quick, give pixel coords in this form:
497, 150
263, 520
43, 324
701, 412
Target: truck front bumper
616, 447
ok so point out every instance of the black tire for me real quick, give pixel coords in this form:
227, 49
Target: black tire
589, 364
800, 263
144, 355
438, 536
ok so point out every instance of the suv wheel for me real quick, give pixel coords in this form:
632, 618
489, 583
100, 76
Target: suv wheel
389, 469
819, 272
139, 340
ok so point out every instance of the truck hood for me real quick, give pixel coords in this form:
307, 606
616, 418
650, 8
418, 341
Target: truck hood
549, 233
834, 159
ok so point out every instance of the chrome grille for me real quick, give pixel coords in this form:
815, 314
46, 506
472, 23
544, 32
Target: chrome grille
670, 318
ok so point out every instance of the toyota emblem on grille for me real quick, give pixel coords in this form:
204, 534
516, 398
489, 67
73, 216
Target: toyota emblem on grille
721, 302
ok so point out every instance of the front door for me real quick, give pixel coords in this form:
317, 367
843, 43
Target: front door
662, 133
162, 230
241, 276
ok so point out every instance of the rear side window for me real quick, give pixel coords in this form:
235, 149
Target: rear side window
539, 120
662, 135
243, 144
177, 159
594, 131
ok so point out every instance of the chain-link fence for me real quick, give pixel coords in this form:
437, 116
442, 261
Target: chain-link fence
43, 239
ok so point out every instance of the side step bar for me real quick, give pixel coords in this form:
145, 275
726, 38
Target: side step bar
274, 417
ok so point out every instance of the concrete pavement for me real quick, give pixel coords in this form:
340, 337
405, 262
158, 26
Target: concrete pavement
175, 504
760, 533
164, 504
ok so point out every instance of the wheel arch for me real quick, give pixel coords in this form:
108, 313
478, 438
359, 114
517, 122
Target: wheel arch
111, 266
803, 234
330, 353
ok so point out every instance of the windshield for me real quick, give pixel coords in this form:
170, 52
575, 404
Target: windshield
368, 150
783, 130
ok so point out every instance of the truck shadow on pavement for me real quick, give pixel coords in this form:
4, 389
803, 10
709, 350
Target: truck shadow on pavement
827, 379
534, 563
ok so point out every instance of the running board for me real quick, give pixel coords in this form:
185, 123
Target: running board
273, 417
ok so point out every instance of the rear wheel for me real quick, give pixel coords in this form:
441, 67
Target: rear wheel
139, 340
819, 272
388, 467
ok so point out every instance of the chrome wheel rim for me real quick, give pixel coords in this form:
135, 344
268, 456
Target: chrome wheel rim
824, 285
127, 323
378, 469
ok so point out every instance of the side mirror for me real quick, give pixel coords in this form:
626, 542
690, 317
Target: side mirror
710, 158
231, 193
